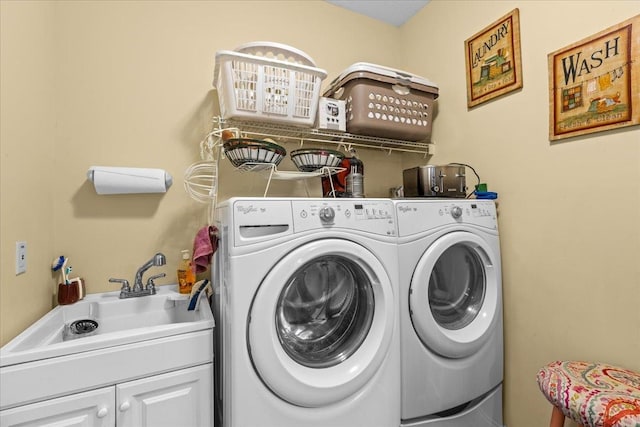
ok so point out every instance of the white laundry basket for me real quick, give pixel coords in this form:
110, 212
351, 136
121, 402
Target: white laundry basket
268, 81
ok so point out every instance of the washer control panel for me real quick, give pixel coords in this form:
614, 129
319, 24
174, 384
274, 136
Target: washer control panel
369, 215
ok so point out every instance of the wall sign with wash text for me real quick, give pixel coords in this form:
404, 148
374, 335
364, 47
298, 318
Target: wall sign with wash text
594, 84
493, 60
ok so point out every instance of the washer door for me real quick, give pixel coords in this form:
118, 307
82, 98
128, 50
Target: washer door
321, 322
454, 295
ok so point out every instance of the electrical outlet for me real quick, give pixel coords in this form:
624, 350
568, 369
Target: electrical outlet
21, 257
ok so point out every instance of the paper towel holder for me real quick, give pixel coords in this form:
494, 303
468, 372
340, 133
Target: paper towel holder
131, 180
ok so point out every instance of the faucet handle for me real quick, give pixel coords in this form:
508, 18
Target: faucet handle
125, 284
150, 280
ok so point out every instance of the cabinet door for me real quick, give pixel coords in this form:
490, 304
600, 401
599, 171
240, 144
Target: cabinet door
89, 409
182, 398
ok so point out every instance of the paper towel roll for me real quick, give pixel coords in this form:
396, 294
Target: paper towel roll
118, 180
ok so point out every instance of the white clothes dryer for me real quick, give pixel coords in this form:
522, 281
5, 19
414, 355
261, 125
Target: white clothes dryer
451, 329
306, 313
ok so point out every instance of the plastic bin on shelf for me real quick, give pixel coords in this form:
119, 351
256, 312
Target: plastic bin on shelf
268, 81
385, 102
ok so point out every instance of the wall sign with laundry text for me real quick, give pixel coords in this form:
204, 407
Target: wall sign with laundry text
594, 84
493, 60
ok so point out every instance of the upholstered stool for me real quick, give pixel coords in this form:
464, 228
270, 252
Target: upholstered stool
591, 394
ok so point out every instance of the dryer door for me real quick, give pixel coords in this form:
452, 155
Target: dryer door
455, 294
321, 322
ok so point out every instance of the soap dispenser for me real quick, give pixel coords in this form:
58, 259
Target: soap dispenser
186, 273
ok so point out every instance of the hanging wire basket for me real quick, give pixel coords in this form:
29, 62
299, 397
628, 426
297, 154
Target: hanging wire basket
201, 181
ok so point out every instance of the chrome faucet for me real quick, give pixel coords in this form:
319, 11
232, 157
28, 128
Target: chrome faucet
157, 261
138, 288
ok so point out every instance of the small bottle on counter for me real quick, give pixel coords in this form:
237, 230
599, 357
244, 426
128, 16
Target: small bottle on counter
186, 273
355, 179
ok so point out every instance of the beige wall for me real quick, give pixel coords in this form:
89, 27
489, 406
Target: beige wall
129, 84
569, 212
27, 169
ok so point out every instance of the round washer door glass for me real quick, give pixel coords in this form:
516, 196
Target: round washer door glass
321, 322
457, 287
455, 294
325, 311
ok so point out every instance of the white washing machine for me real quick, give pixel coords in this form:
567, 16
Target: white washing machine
451, 329
306, 313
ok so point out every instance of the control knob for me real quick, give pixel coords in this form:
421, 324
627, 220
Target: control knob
327, 214
456, 212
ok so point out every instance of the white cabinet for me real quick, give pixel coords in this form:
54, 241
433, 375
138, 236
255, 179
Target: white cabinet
180, 398
89, 409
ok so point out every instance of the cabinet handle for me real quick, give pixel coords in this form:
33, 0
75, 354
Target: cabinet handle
125, 406
102, 412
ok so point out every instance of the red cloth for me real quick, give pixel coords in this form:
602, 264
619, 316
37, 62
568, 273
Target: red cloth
204, 246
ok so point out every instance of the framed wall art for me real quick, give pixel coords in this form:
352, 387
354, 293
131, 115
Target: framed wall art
493, 60
594, 84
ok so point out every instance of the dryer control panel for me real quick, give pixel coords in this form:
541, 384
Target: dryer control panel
419, 215
368, 215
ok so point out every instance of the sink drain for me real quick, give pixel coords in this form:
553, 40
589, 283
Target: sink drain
81, 328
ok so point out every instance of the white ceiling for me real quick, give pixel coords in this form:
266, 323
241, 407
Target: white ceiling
394, 12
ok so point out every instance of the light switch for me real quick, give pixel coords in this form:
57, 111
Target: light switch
21, 257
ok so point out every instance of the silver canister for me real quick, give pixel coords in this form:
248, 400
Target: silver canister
355, 184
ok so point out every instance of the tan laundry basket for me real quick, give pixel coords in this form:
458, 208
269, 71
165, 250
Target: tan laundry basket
385, 102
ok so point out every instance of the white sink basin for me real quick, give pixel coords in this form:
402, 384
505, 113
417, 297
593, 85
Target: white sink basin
119, 321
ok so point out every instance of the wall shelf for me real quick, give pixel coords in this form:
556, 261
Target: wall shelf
289, 133
273, 173
210, 146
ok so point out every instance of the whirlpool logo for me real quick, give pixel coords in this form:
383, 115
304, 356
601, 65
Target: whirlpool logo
246, 210
405, 209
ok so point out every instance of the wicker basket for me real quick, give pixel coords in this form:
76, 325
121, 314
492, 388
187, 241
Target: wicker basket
256, 151
311, 159
268, 82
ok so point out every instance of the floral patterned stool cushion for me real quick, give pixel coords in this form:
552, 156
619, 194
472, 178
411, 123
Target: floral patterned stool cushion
591, 394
